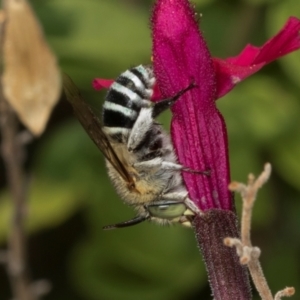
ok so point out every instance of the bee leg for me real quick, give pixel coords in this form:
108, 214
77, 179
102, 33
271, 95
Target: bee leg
188, 170
150, 165
192, 206
140, 128
178, 167
179, 196
156, 163
182, 196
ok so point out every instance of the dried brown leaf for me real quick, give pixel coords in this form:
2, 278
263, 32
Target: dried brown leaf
31, 78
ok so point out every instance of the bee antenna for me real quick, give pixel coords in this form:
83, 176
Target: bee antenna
128, 223
164, 104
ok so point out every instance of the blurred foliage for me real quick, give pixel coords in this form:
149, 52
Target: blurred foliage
101, 38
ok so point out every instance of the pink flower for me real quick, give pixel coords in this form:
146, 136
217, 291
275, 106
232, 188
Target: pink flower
198, 129
180, 56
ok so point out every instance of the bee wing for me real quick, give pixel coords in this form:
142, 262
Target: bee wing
92, 126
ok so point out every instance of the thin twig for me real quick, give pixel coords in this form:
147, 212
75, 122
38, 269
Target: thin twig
248, 254
248, 193
16, 256
12, 152
287, 292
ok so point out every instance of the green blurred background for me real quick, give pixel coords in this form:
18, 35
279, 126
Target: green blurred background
71, 197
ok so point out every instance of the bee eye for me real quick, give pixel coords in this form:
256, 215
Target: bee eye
167, 210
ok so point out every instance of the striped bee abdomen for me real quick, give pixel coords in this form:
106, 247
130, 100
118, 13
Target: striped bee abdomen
130, 92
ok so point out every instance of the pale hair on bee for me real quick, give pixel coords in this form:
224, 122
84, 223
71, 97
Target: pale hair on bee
140, 157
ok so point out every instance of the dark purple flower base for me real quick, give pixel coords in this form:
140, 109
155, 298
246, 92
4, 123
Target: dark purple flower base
229, 280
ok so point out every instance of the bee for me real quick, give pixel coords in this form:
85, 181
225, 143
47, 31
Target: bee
140, 157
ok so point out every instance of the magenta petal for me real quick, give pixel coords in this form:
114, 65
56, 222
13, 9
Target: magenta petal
99, 84
156, 93
229, 74
198, 130
233, 70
